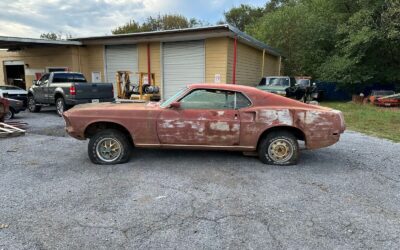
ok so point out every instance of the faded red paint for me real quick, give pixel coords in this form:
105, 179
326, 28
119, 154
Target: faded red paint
4, 106
153, 126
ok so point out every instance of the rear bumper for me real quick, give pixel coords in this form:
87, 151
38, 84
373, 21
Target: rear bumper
74, 102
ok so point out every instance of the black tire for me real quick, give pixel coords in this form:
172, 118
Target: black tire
279, 148
102, 136
10, 114
61, 107
32, 106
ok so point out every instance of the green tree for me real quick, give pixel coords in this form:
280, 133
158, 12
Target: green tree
160, 22
50, 36
344, 41
243, 15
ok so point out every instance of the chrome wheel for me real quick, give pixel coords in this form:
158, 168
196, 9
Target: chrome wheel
108, 149
60, 106
31, 104
280, 150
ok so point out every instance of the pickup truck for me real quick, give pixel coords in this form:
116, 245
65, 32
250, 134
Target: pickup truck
67, 89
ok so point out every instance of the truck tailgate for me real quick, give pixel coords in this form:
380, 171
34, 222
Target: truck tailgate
93, 90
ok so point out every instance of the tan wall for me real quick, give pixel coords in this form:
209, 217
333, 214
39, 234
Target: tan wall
249, 64
216, 59
92, 60
37, 59
155, 60
271, 66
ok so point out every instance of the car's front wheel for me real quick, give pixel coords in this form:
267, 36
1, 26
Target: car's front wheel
279, 148
32, 106
109, 146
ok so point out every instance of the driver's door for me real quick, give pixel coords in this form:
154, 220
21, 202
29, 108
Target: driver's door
205, 117
40, 89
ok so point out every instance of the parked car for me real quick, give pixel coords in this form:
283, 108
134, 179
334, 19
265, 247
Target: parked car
206, 116
4, 107
15, 92
15, 106
66, 89
387, 98
304, 90
276, 84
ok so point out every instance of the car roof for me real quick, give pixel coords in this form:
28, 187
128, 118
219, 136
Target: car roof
225, 86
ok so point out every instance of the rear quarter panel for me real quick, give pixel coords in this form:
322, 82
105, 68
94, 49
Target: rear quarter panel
318, 126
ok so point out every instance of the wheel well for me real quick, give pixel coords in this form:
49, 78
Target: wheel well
58, 95
295, 131
93, 128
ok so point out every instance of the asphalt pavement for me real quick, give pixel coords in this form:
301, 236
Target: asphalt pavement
52, 197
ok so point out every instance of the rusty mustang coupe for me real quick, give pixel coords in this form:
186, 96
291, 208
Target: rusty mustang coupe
206, 116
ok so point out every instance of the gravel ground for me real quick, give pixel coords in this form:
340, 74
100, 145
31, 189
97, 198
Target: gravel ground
345, 196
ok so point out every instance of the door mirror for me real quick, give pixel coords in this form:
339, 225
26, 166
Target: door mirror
35, 82
175, 105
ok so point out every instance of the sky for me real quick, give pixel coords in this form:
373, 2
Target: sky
30, 18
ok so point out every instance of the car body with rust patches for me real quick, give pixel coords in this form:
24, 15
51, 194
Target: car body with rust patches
206, 116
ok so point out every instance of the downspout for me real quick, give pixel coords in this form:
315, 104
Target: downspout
263, 64
234, 61
280, 64
148, 64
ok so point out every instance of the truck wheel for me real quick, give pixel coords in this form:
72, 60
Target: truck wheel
32, 106
10, 114
109, 146
60, 106
279, 148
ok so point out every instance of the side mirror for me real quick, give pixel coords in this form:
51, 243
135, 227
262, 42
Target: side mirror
35, 82
175, 105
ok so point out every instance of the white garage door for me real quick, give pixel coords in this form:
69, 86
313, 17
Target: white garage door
183, 64
121, 58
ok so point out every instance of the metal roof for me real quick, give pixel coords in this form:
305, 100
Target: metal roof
7, 42
189, 33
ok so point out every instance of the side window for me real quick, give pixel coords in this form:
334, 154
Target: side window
214, 99
207, 99
44, 79
242, 101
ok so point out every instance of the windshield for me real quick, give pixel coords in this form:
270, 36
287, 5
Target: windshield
280, 82
303, 82
170, 100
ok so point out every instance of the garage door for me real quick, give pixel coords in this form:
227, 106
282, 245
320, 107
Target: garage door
118, 58
183, 64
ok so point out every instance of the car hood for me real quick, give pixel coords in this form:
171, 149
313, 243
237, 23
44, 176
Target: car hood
116, 106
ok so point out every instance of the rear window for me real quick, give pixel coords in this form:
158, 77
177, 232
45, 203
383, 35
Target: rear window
68, 77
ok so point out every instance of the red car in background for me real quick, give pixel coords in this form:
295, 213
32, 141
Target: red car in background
386, 98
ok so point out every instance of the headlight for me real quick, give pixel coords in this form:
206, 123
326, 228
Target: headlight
281, 92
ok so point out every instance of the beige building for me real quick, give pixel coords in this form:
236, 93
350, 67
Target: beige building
216, 54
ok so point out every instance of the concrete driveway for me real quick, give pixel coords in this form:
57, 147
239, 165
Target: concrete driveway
51, 196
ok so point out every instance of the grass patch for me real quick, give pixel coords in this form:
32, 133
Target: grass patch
369, 119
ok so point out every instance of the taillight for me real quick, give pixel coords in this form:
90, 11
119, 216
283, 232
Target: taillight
72, 90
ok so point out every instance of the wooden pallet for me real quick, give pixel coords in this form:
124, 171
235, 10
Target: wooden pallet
7, 130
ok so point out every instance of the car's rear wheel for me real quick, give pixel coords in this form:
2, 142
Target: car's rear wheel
60, 106
32, 106
109, 146
279, 148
